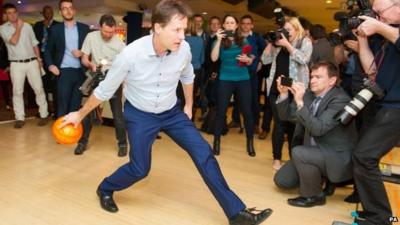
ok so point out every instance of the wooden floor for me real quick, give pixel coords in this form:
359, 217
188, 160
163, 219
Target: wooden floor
43, 183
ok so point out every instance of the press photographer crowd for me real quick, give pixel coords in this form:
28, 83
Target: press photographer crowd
334, 97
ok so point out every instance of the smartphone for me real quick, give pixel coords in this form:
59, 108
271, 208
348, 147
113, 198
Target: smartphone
286, 81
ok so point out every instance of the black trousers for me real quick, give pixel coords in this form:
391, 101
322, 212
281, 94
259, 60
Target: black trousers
255, 104
68, 93
119, 122
378, 139
5, 87
280, 128
243, 91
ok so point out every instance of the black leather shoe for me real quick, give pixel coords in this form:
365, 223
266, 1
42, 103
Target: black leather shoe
353, 198
329, 188
216, 146
107, 202
80, 149
250, 148
307, 202
122, 151
247, 217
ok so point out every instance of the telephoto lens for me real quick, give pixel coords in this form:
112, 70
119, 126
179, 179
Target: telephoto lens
359, 101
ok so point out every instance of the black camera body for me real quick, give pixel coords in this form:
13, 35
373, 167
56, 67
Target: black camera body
370, 89
92, 81
349, 21
365, 10
228, 33
286, 81
273, 36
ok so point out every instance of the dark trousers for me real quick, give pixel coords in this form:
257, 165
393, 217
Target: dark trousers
68, 93
280, 128
5, 87
267, 115
304, 170
199, 98
378, 139
143, 128
255, 104
119, 122
50, 87
242, 89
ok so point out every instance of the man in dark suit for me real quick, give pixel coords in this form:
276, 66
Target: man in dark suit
42, 32
323, 145
62, 57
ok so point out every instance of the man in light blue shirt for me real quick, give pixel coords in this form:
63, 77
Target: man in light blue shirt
151, 68
62, 57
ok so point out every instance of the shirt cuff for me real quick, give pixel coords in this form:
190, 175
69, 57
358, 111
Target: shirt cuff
281, 99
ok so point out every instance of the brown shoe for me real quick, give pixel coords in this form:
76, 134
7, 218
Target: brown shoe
263, 135
19, 124
42, 122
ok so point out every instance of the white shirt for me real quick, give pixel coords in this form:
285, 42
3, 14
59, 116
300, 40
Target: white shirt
27, 40
95, 46
150, 80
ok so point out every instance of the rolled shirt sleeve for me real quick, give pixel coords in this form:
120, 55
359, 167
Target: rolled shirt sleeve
115, 76
187, 76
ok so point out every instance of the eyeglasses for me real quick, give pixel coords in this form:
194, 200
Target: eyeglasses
379, 13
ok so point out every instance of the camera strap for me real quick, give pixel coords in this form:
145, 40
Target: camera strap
378, 59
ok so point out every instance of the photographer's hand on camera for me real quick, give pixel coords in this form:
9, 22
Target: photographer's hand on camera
369, 27
220, 34
283, 90
353, 45
284, 42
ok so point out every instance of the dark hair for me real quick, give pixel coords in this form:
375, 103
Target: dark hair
238, 38
247, 16
46, 7
317, 31
197, 15
330, 67
9, 6
166, 9
108, 20
62, 1
214, 18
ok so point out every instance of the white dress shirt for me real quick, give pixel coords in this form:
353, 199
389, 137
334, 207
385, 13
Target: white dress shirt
150, 80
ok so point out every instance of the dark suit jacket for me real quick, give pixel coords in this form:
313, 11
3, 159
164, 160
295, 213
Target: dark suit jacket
38, 30
54, 53
335, 140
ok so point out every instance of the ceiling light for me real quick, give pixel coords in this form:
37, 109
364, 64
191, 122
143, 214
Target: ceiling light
204, 13
19, 2
328, 1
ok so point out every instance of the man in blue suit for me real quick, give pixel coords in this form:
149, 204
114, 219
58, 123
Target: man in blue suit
151, 68
62, 57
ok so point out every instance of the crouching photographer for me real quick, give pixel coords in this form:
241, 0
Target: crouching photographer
380, 61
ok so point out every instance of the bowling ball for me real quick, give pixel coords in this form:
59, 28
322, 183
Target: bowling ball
67, 134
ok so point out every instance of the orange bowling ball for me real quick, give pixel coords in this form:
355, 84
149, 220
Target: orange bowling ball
68, 134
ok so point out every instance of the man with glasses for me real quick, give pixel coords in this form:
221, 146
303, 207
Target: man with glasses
380, 61
62, 57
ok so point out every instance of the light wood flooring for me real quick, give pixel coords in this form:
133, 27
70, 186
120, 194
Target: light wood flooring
43, 183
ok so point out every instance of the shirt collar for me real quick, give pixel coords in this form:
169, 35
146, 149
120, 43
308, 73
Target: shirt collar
150, 48
66, 25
